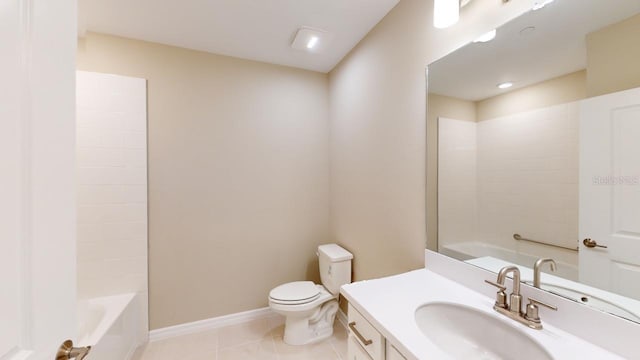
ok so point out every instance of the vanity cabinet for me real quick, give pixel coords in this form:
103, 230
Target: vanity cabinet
393, 353
366, 342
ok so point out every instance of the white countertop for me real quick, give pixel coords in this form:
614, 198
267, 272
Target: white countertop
390, 303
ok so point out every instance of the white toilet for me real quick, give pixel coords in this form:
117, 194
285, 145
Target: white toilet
310, 309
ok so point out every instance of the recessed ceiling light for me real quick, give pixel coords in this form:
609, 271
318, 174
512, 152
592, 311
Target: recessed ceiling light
486, 37
312, 42
310, 39
505, 85
541, 3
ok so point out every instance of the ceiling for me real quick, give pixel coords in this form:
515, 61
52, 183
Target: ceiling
556, 47
259, 30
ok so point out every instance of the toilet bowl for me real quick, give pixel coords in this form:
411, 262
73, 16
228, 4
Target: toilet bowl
310, 309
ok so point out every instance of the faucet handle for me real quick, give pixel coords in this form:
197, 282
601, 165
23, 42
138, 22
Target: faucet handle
501, 296
533, 301
499, 286
532, 310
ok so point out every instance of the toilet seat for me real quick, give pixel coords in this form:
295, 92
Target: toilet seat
301, 306
295, 293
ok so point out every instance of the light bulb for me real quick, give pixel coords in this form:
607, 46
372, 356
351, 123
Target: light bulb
445, 13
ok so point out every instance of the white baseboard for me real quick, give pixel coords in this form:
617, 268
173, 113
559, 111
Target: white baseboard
209, 324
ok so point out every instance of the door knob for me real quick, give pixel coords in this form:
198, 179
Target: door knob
67, 351
590, 243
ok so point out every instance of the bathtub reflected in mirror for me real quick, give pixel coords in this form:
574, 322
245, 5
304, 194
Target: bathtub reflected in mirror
549, 167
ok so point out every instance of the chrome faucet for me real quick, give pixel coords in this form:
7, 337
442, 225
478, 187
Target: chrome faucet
513, 309
537, 269
515, 299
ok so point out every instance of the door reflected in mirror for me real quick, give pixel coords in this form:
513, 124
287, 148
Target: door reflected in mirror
550, 166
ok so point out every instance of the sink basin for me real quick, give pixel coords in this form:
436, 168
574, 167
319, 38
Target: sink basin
463, 332
590, 300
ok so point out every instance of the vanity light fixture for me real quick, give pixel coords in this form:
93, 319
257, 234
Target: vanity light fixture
445, 13
505, 85
311, 40
486, 37
541, 3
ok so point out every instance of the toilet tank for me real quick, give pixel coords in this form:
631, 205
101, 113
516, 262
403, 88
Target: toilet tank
335, 267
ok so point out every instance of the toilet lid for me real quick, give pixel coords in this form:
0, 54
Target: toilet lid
296, 291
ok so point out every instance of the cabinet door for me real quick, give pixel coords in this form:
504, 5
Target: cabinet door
370, 338
356, 352
393, 353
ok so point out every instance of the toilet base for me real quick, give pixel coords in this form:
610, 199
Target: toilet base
303, 330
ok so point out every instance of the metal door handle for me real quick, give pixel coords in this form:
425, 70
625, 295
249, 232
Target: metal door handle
67, 351
590, 243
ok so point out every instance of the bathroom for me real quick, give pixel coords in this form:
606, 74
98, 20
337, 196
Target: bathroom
239, 156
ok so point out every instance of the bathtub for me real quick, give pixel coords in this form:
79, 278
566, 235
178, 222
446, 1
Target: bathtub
567, 266
111, 325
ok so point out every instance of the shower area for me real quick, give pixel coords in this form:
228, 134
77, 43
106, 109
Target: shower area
111, 180
509, 178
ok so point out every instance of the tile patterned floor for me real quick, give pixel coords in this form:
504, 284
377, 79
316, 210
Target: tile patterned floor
260, 340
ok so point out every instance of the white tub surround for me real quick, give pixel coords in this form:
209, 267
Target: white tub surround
392, 313
110, 325
491, 170
111, 173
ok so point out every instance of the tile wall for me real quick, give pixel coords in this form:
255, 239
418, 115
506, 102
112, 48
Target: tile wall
528, 176
112, 186
512, 174
457, 181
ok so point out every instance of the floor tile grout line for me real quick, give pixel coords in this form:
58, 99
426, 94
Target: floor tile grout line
333, 347
275, 348
244, 343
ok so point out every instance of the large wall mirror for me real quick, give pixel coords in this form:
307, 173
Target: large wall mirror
538, 134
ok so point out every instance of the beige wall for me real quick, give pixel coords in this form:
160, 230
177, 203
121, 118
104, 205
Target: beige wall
613, 56
238, 174
378, 124
561, 90
450, 107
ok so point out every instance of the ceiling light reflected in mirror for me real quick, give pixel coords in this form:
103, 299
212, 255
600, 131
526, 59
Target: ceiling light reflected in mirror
487, 37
